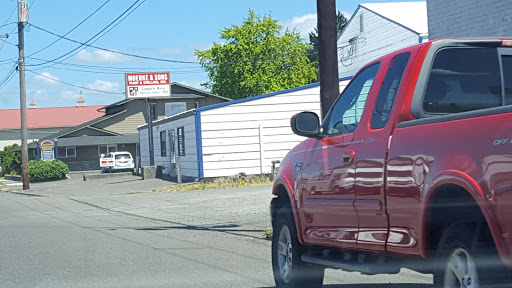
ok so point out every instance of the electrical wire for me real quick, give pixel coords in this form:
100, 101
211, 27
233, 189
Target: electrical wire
9, 76
108, 50
73, 85
73, 29
121, 69
81, 44
105, 33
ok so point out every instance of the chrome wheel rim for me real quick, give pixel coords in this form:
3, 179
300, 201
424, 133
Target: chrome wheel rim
460, 270
284, 254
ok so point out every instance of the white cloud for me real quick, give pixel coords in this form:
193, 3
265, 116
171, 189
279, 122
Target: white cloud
103, 85
303, 24
37, 94
170, 51
201, 46
69, 95
101, 56
46, 78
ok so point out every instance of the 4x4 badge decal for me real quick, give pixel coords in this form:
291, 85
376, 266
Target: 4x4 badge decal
298, 165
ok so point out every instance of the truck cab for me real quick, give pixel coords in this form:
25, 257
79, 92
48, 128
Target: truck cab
411, 165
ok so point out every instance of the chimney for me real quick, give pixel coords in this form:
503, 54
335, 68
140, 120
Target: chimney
32, 104
80, 102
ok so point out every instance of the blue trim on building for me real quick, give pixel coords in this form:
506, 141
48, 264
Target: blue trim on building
199, 144
264, 96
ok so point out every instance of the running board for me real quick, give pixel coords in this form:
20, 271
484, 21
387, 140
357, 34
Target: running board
376, 267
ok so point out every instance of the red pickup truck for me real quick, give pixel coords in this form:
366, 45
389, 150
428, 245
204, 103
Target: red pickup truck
411, 168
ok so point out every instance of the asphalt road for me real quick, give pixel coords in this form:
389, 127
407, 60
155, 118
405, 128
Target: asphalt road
185, 239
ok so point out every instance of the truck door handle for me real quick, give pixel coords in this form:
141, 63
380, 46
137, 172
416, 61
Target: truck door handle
348, 156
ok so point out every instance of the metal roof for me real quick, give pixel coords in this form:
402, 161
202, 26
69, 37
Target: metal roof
50, 117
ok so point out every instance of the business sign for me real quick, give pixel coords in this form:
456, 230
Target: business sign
148, 85
47, 150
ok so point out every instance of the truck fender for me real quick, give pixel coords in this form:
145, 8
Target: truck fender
285, 182
463, 180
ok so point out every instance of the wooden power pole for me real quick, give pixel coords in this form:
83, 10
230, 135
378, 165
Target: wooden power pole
327, 54
22, 19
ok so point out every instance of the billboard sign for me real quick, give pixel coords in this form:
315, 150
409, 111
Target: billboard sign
148, 84
47, 150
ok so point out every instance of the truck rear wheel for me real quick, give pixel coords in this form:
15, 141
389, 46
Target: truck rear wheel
464, 262
289, 270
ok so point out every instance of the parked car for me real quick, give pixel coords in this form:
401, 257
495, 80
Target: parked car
422, 138
117, 161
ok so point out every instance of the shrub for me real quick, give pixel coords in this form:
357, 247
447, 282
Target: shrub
10, 162
47, 170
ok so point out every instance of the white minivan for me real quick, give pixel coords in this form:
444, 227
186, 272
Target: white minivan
116, 161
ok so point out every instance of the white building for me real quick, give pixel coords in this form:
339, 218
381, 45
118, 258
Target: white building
376, 29
225, 139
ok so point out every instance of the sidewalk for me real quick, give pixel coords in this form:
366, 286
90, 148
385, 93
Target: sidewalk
75, 186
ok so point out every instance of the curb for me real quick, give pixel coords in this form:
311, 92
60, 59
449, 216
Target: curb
106, 176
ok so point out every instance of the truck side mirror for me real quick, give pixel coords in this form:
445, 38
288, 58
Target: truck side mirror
306, 124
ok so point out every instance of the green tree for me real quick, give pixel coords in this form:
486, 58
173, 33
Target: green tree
341, 21
256, 58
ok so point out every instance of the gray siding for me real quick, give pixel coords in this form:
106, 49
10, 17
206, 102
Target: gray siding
188, 162
468, 18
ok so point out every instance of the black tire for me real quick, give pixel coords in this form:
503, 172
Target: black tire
300, 274
466, 243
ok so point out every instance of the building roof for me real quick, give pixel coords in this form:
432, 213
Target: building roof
174, 95
412, 15
94, 140
50, 117
80, 100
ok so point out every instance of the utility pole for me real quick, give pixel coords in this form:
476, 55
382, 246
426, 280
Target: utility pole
327, 54
22, 19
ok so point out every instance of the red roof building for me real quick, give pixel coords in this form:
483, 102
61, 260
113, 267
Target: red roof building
50, 117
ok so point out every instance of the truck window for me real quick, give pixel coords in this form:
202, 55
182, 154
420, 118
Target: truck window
463, 79
347, 111
506, 61
388, 90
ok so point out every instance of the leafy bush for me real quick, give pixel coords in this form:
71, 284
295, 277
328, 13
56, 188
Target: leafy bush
10, 162
47, 170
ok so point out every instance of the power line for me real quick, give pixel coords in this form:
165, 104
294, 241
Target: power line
9, 76
109, 50
81, 44
12, 13
106, 32
5, 41
73, 85
73, 29
119, 69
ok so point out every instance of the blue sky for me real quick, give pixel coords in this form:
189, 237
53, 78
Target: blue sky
167, 29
